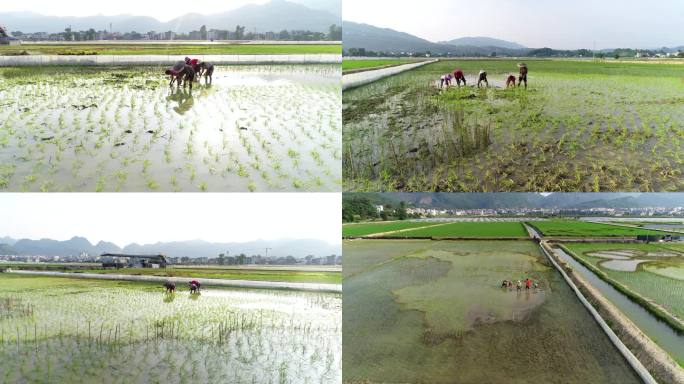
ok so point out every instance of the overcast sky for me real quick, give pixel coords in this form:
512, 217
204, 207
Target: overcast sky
124, 218
560, 24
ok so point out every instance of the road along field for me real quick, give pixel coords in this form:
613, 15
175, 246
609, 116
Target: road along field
433, 311
580, 126
349, 66
573, 228
78, 331
256, 128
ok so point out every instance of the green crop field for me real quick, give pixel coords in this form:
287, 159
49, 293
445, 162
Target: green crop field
571, 228
658, 273
365, 229
65, 330
403, 133
468, 229
435, 313
169, 49
123, 129
233, 274
350, 65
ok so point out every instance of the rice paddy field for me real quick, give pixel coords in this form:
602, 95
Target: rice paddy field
654, 271
354, 65
433, 312
365, 229
580, 126
84, 331
573, 228
467, 229
256, 128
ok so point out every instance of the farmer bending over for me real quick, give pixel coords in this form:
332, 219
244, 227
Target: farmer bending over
482, 77
207, 70
523, 74
458, 75
510, 81
175, 72
194, 286
194, 63
445, 80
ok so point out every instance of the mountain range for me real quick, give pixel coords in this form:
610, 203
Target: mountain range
528, 200
372, 38
273, 16
193, 248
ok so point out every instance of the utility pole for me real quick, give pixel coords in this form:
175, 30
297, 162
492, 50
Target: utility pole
267, 249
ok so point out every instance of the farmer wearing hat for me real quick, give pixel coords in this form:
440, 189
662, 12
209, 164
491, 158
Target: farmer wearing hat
523, 74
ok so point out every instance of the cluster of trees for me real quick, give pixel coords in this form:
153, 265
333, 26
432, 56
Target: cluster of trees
358, 208
334, 34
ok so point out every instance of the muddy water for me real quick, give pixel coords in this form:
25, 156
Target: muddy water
256, 128
402, 320
658, 331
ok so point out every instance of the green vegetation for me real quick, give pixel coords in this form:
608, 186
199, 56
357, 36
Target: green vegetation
573, 228
234, 274
168, 49
365, 229
119, 129
403, 133
352, 65
64, 330
467, 229
437, 306
646, 285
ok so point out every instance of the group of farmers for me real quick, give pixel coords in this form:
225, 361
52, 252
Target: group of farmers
527, 284
186, 71
194, 286
459, 78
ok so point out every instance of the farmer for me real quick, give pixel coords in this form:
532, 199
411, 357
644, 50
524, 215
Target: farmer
458, 75
189, 76
523, 74
194, 63
170, 287
445, 80
175, 72
482, 76
207, 70
504, 284
194, 286
510, 80
518, 285
528, 284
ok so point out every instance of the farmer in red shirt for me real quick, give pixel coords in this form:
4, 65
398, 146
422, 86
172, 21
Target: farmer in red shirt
510, 81
458, 75
194, 63
528, 284
194, 286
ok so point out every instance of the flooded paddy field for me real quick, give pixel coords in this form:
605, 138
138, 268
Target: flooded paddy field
82, 331
573, 228
256, 128
654, 271
580, 126
434, 312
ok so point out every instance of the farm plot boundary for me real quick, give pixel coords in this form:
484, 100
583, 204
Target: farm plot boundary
656, 310
16, 61
358, 79
638, 367
311, 287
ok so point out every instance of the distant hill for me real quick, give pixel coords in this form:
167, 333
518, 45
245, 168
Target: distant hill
194, 248
371, 38
528, 200
481, 41
273, 16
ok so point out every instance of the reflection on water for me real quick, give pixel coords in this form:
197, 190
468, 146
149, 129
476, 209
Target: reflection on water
183, 98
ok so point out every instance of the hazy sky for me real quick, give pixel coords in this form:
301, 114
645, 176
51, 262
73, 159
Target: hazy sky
561, 24
160, 10
124, 218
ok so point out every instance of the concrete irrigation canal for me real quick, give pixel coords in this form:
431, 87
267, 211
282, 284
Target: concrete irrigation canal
312, 287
